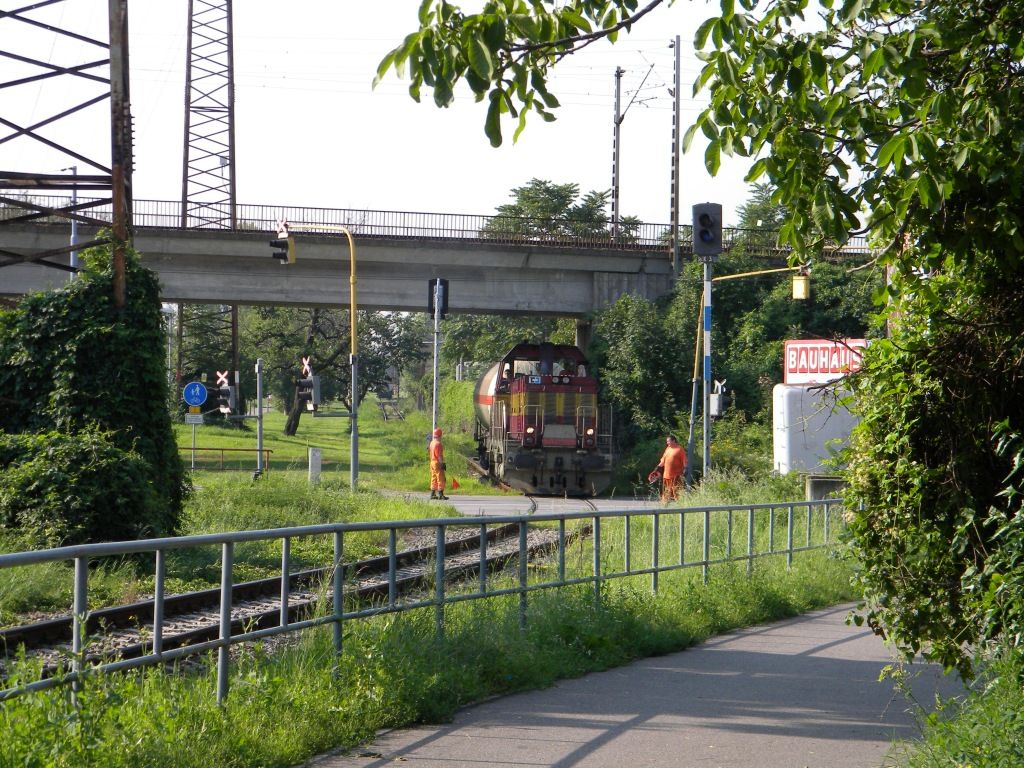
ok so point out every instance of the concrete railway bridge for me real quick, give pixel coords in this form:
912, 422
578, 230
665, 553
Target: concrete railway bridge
494, 264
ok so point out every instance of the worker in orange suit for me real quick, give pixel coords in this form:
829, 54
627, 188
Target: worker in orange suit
672, 466
437, 466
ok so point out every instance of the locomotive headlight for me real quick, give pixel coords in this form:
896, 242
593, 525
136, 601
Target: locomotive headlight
530, 438
590, 432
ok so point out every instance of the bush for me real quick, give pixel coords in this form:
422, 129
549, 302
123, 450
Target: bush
72, 362
58, 489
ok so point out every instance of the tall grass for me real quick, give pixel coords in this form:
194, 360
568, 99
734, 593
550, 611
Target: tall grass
986, 730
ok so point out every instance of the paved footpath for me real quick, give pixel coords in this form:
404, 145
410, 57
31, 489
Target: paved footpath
801, 693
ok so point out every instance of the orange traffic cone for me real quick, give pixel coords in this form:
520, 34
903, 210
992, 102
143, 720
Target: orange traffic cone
455, 484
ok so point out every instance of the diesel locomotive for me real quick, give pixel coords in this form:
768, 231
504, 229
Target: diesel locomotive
539, 425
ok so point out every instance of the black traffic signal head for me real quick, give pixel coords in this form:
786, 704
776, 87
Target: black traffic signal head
307, 391
226, 399
707, 229
433, 286
284, 248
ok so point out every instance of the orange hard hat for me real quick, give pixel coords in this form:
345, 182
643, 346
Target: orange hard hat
437, 432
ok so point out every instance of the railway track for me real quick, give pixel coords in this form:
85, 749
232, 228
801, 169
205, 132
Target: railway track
125, 631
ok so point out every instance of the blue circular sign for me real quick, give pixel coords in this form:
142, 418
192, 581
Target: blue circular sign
194, 393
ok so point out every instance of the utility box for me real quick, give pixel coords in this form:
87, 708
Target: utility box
808, 427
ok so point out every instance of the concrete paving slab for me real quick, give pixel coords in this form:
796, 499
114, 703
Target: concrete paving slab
801, 693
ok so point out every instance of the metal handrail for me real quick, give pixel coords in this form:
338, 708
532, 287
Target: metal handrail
817, 535
185, 450
467, 228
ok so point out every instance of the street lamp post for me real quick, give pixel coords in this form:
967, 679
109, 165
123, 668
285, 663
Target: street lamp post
354, 360
284, 242
801, 291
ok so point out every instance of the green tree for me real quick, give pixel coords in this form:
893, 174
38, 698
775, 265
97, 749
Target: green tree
486, 338
539, 210
901, 117
72, 363
543, 211
643, 361
283, 336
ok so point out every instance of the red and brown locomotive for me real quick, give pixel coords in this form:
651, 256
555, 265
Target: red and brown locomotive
539, 425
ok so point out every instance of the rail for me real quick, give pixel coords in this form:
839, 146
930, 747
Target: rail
199, 454
392, 225
720, 534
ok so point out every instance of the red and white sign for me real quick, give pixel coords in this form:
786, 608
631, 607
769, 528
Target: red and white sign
815, 362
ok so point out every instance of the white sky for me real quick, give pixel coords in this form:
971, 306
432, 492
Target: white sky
311, 131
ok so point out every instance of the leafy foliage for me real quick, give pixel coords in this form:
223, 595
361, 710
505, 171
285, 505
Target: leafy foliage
543, 211
58, 488
283, 336
70, 360
504, 52
642, 364
937, 464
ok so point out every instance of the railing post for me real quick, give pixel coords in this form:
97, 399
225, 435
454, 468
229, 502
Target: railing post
826, 512
561, 550
439, 583
286, 556
483, 558
338, 597
224, 651
789, 537
810, 510
628, 544
597, 562
728, 540
392, 567
158, 602
654, 554
771, 530
707, 543
78, 622
523, 575
750, 541
682, 537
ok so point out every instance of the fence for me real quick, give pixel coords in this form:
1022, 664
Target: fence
720, 534
370, 224
218, 458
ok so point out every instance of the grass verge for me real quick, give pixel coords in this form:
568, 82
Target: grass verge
985, 730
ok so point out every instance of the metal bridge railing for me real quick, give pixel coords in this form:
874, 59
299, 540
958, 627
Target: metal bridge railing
371, 224
670, 539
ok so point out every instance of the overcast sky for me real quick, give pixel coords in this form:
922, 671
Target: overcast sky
310, 130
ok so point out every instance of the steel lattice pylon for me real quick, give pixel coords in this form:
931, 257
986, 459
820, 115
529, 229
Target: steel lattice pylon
85, 70
208, 177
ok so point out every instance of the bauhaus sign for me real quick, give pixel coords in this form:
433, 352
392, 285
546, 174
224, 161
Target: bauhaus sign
815, 362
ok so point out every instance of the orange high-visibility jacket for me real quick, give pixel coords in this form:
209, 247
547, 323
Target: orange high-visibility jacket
436, 451
673, 461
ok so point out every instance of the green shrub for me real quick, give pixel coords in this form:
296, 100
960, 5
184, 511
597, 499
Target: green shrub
70, 360
57, 488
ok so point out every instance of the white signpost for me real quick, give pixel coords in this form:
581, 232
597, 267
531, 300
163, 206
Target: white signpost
194, 394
